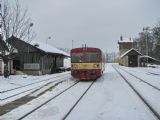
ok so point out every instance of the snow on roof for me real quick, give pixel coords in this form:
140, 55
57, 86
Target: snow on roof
41, 46
129, 51
47, 48
146, 56
126, 40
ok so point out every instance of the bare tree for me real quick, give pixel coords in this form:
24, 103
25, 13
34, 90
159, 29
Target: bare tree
14, 20
156, 36
145, 42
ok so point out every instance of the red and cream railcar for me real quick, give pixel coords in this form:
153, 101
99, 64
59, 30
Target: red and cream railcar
87, 63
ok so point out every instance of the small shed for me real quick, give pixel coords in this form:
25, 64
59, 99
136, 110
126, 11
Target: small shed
130, 58
36, 58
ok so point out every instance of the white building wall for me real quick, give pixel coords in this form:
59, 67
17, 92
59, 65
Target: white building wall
1, 67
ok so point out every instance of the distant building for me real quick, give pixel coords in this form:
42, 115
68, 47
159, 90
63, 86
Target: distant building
131, 57
125, 44
36, 58
128, 55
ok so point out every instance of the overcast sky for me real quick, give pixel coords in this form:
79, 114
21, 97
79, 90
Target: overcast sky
97, 23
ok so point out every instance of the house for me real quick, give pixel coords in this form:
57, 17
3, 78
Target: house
36, 58
10, 67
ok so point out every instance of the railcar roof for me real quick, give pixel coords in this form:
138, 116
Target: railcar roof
88, 49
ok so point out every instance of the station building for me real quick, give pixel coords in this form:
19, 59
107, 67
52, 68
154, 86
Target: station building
36, 58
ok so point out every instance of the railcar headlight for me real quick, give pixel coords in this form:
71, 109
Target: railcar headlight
95, 65
74, 66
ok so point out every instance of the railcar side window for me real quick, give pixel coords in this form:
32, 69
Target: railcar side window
92, 56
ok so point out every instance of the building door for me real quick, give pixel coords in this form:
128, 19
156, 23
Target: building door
16, 64
132, 61
1, 67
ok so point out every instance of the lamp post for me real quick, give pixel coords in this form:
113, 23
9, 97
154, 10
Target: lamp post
48, 38
30, 25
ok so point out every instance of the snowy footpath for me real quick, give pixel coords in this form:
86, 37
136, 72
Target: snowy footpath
109, 98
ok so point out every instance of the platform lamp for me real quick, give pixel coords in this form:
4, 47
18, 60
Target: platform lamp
48, 38
30, 25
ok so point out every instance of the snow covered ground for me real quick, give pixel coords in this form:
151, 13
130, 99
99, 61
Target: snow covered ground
20, 80
17, 86
110, 97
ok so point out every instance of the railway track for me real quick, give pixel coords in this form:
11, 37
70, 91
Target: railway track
29, 88
153, 86
145, 101
152, 72
71, 109
47, 101
58, 95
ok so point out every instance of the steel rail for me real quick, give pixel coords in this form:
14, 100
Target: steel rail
139, 95
71, 109
47, 101
141, 79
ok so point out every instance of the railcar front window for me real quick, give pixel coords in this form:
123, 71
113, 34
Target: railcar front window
76, 57
92, 56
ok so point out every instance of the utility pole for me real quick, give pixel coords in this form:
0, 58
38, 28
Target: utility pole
146, 37
1, 35
72, 43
